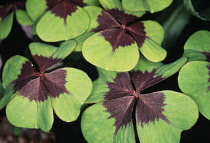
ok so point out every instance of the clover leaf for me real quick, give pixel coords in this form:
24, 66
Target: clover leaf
194, 76
70, 19
122, 112
33, 91
116, 44
146, 5
7, 13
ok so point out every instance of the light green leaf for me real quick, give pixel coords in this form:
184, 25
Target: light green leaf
65, 49
97, 94
35, 8
13, 70
159, 132
47, 50
101, 126
136, 13
23, 18
181, 113
197, 43
6, 25
146, 5
125, 134
168, 70
151, 48
42, 49
154, 31
30, 114
58, 30
152, 51
7, 96
66, 107
122, 59
79, 86
93, 13
194, 81
81, 39
111, 4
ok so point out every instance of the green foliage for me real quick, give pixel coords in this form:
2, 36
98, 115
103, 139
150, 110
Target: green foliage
180, 111
37, 105
113, 37
194, 76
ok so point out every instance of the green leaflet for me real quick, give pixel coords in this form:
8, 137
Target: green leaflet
35, 8
11, 70
93, 13
194, 76
194, 81
6, 25
180, 111
124, 58
99, 125
196, 44
146, 5
111, 4
48, 50
60, 30
23, 17
102, 55
182, 114
39, 92
115, 109
30, 114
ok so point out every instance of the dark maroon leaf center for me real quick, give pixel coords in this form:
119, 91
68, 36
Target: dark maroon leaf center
63, 8
120, 29
7, 9
38, 85
125, 102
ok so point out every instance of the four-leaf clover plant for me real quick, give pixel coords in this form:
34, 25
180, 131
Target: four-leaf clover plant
33, 91
118, 38
127, 53
122, 112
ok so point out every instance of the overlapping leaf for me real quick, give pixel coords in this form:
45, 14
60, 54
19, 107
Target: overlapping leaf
7, 13
31, 93
121, 109
194, 76
146, 5
69, 18
116, 44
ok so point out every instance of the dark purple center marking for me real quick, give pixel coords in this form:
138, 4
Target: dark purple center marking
125, 99
10, 7
63, 8
38, 85
120, 29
